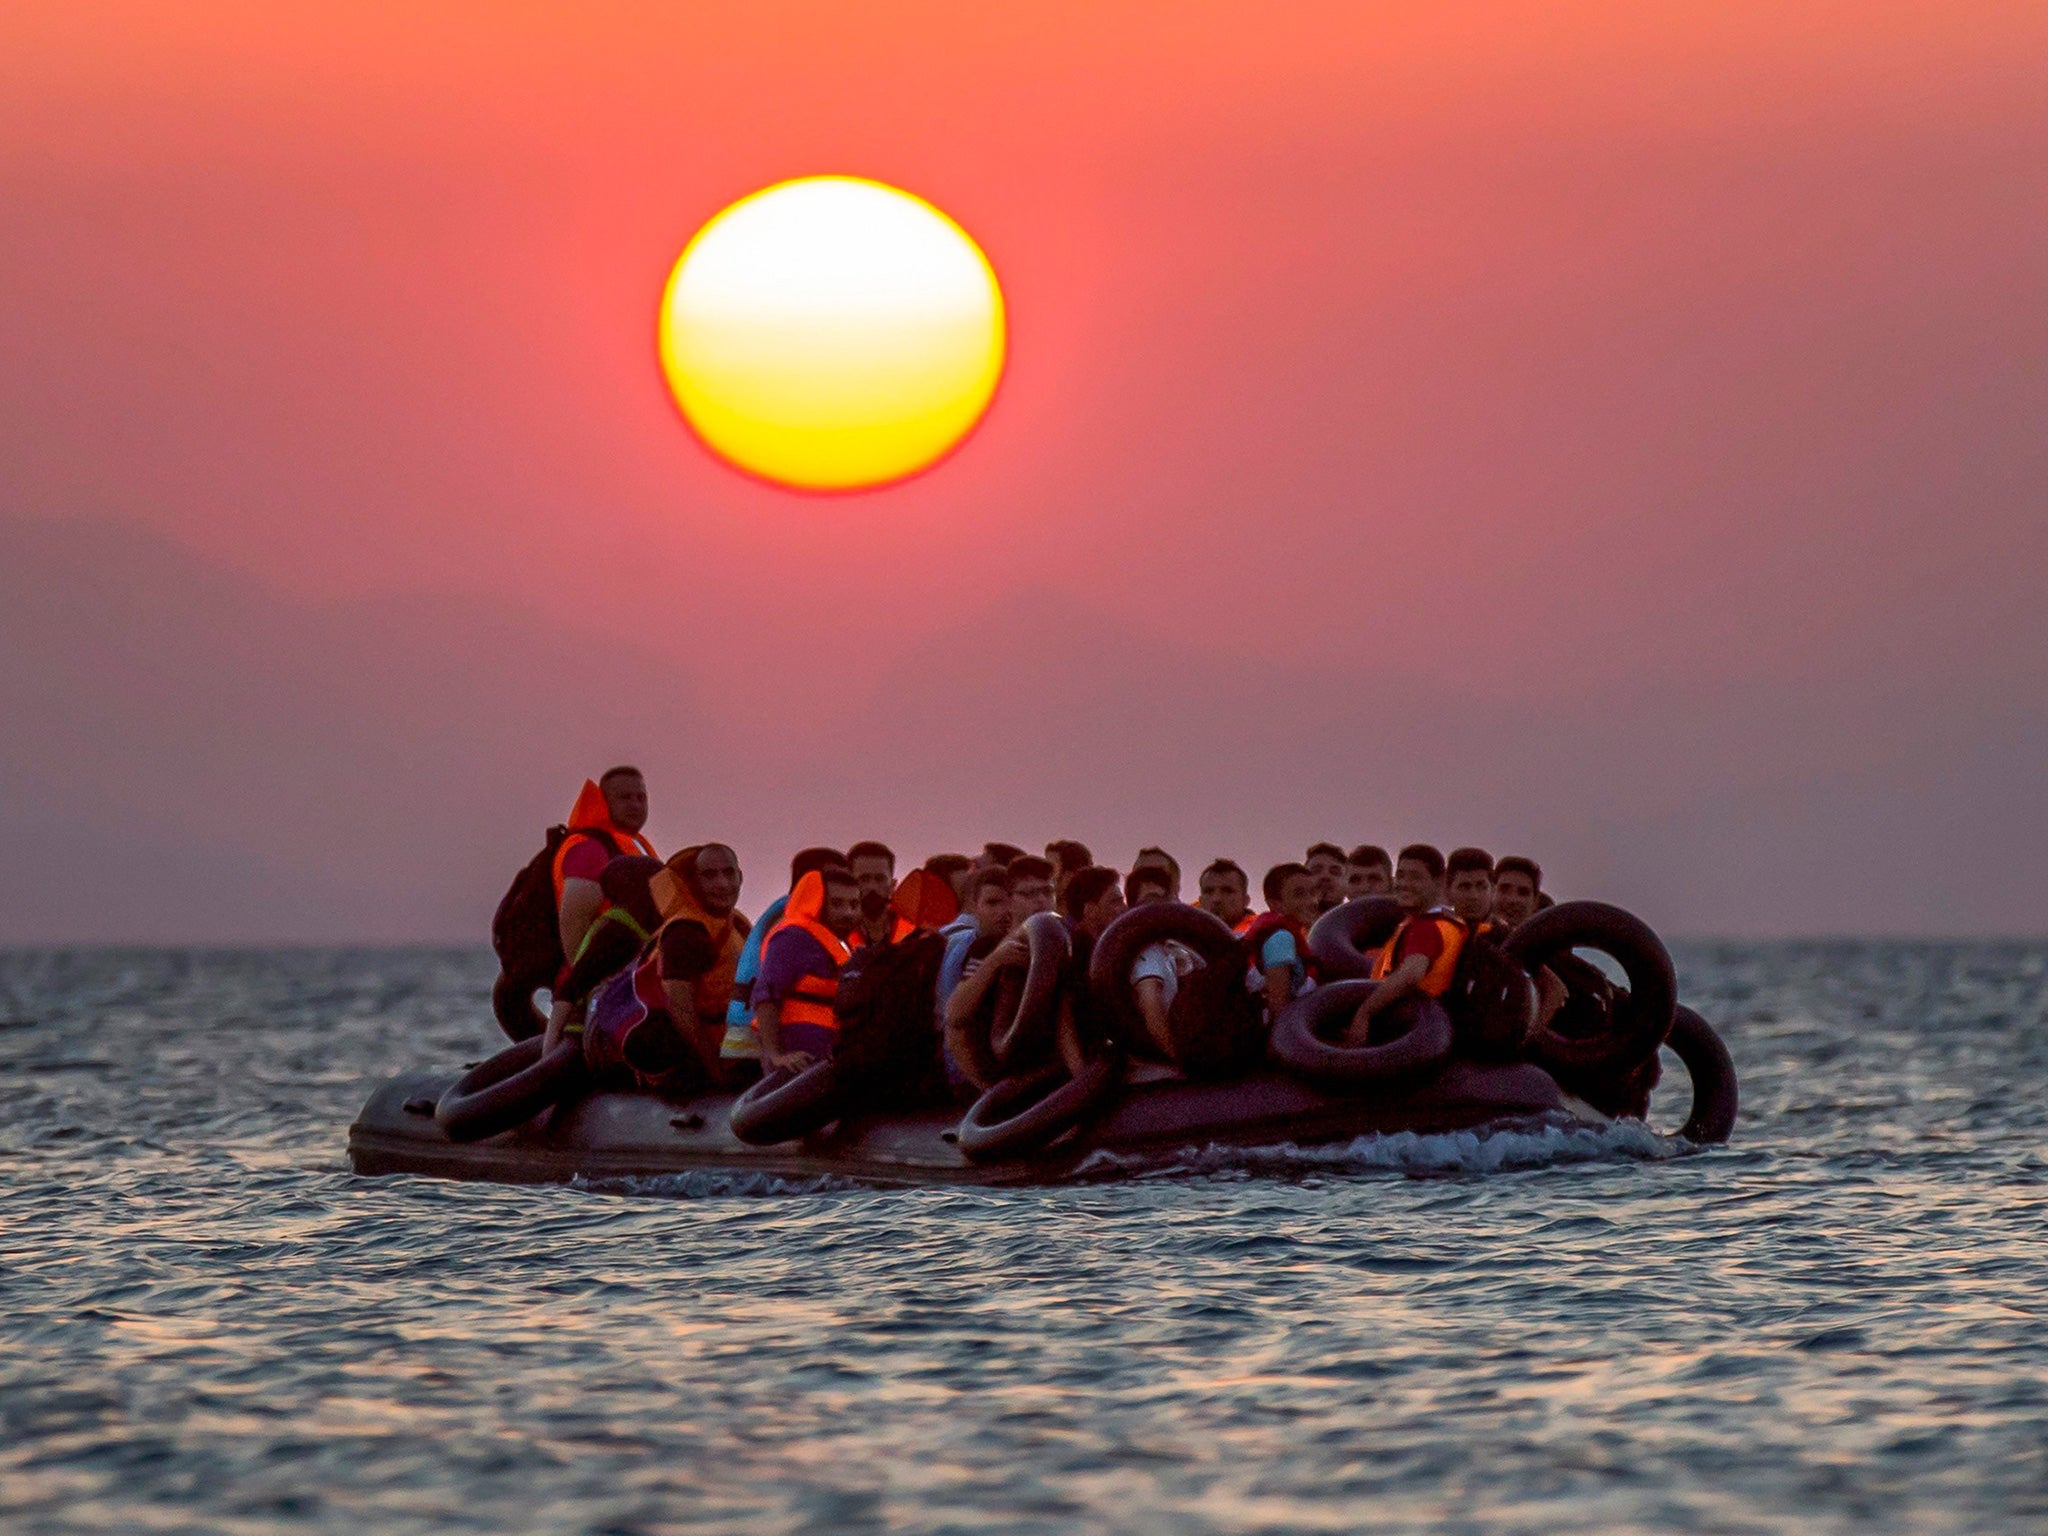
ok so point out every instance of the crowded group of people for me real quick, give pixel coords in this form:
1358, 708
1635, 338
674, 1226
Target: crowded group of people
669, 983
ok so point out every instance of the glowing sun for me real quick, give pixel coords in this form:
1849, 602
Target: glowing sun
832, 333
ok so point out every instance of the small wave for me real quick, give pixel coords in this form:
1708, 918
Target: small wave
1478, 1151
708, 1184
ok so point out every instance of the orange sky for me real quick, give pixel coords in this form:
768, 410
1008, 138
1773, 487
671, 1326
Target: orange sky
1672, 371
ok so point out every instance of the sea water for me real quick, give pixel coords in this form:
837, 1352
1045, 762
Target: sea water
207, 1323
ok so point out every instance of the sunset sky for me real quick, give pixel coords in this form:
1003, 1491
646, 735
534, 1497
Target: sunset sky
1610, 432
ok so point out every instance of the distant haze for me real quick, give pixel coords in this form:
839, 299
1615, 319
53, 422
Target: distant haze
1607, 432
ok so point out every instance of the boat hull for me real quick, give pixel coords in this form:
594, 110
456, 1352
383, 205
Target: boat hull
621, 1136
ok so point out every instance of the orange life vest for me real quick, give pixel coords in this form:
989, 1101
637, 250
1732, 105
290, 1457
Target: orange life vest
810, 1000
1243, 925
1436, 981
711, 990
592, 814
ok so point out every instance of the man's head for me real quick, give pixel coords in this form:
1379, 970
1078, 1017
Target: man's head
715, 877
1226, 891
1030, 886
1468, 883
808, 859
842, 902
874, 870
989, 901
953, 868
1293, 892
1143, 885
1067, 856
999, 855
1368, 871
1094, 899
1325, 861
1165, 863
1419, 878
625, 797
1517, 887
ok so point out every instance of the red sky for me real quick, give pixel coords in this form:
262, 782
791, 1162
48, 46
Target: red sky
1608, 429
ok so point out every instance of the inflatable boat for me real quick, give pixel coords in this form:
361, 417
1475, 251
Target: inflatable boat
619, 1135
531, 1114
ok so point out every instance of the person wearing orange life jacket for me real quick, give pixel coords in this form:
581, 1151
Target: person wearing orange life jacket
604, 825
800, 965
1415, 968
661, 1018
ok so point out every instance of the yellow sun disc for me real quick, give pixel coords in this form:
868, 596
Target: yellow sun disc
832, 333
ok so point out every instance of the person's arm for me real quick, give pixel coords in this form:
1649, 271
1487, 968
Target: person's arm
768, 1025
974, 985
967, 999
582, 900
1279, 990
558, 1020
1150, 993
1404, 979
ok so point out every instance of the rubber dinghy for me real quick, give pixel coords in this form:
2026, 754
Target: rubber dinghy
528, 1116
620, 1135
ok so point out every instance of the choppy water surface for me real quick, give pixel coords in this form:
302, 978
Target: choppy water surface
206, 1323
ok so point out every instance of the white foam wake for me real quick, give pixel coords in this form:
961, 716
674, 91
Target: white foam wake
1476, 1151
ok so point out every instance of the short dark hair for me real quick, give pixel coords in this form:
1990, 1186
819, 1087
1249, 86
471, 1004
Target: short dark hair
1004, 854
985, 877
810, 859
1515, 864
1224, 867
1277, 878
1029, 866
1324, 850
1069, 854
703, 848
871, 850
1138, 879
1159, 856
947, 865
1086, 888
618, 773
1463, 861
1369, 856
838, 874
1426, 856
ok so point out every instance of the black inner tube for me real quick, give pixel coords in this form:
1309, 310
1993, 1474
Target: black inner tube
1021, 1036
1025, 1114
1640, 1017
1109, 968
1341, 936
1299, 1038
1715, 1097
511, 1088
788, 1106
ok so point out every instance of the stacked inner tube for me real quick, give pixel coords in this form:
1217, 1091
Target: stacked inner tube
1025, 1024
788, 1106
511, 1088
1301, 1040
1640, 1018
1343, 937
1026, 1113
1207, 1025
1715, 1099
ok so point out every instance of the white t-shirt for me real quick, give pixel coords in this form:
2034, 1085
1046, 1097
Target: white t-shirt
1167, 962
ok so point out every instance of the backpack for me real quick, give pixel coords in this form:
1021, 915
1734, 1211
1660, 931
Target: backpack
888, 1037
526, 930
1491, 1001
